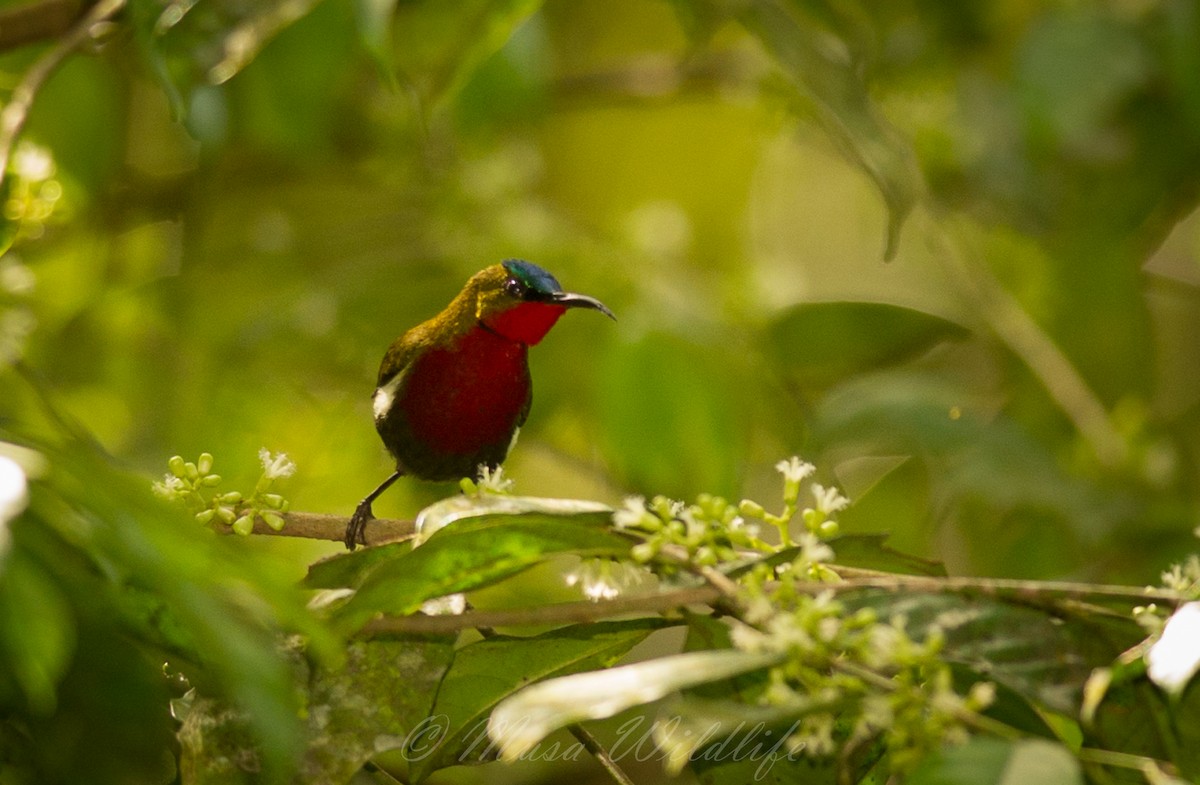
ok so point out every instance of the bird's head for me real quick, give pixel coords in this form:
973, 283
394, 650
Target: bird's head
521, 301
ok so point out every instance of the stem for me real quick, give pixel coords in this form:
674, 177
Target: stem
994, 587
319, 526
714, 577
592, 745
1154, 770
29, 22
1025, 338
16, 111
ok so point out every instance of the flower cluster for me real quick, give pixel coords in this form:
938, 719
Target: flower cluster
847, 676
195, 485
852, 677
710, 531
606, 579
490, 481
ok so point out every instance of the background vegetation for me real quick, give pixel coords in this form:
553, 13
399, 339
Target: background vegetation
219, 215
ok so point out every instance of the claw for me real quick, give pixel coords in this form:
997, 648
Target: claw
356, 529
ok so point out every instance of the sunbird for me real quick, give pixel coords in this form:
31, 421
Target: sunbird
453, 390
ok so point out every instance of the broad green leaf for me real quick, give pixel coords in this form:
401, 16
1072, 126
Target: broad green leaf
1013, 708
37, 631
224, 608
479, 511
521, 721
819, 344
987, 761
486, 672
720, 730
375, 701
476, 550
868, 551
1037, 653
347, 569
1137, 718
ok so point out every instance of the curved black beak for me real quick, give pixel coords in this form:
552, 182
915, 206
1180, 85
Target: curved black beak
572, 300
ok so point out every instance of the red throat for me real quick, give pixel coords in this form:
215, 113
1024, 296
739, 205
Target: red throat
526, 323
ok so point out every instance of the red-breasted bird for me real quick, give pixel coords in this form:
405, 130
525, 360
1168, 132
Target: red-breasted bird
453, 391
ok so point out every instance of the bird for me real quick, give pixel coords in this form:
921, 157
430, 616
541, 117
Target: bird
453, 391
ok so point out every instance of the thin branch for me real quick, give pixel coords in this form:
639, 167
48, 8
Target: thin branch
1153, 770
318, 526
1025, 338
16, 111
560, 613
36, 21
593, 745
996, 587
712, 576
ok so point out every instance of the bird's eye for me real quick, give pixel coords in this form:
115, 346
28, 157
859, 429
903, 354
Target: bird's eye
514, 287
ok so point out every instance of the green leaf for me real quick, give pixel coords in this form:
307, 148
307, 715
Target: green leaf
344, 728
868, 551
348, 568
819, 344
486, 672
1040, 654
727, 730
521, 721
37, 631
481, 511
987, 761
864, 551
1137, 718
438, 51
476, 549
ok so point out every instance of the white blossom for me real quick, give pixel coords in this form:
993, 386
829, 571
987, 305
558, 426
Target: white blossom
1174, 659
813, 551
450, 605
631, 514
169, 487
276, 466
795, 470
829, 500
494, 480
14, 489
604, 579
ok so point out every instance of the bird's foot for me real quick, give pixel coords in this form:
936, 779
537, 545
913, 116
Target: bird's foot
356, 529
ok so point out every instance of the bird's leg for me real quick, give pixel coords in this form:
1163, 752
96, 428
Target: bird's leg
357, 527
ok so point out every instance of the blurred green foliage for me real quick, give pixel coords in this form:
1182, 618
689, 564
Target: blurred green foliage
219, 216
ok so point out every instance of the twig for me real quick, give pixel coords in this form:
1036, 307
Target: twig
712, 576
1017, 330
593, 745
16, 111
1029, 590
1149, 767
318, 526
560, 613
29, 22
